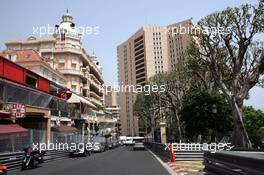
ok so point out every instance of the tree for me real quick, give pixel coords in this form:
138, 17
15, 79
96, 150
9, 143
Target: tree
143, 108
166, 104
169, 101
254, 120
233, 58
199, 118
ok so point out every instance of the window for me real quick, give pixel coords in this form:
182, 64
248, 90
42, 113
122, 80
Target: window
62, 36
28, 56
45, 72
73, 65
73, 88
54, 78
61, 58
61, 65
62, 81
74, 79
31, 81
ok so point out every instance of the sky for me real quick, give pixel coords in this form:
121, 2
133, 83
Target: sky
114, 20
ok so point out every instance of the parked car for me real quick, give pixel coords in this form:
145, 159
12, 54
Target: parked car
98, 147
82, 150
138, 146
3, 170
110, 145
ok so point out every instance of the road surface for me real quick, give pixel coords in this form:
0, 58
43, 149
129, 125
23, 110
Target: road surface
119, 161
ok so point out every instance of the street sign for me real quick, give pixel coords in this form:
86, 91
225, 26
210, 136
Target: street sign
18, 110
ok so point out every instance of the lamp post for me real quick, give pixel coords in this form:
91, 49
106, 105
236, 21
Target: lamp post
214, 111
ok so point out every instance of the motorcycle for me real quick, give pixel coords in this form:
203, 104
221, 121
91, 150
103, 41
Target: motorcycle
3, 170
32, 158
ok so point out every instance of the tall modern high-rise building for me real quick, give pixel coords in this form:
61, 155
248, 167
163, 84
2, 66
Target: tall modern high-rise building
151, 50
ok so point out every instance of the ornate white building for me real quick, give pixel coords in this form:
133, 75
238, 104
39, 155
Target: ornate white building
65, 53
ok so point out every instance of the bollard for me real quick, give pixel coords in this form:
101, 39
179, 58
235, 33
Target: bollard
172, 153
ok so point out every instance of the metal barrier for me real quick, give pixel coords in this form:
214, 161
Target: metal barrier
13, 160
159, 149
234, 163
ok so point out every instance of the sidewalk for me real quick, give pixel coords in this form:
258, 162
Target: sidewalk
182, 167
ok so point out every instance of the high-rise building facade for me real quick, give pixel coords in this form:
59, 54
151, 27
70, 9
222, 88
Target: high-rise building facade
151, 50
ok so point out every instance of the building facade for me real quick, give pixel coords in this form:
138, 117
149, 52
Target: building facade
78, 71
27, 102
112, 106
30, 59
151, 50
112, 101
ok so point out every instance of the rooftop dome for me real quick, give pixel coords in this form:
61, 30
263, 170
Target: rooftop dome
67, 26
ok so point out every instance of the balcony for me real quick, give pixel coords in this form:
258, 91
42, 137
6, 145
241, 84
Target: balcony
87, 117
68, 49
96, 102
107, 120
95, 79
72, 72
93, 94
45, 50
94, 84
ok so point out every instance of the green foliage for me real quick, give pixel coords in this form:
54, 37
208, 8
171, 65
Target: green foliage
143, 105
254, 120
198, 117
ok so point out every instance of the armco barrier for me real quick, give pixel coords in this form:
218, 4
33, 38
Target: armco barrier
13, 160
234, 163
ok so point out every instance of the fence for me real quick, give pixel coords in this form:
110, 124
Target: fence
16, 142
11, 146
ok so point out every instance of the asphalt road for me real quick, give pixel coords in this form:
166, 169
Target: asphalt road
119, 161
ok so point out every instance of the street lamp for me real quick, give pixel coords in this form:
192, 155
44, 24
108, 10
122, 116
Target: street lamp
214, 111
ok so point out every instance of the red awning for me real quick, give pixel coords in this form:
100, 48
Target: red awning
11, 128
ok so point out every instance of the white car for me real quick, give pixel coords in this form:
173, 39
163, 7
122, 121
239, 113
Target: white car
129, 141
139, 146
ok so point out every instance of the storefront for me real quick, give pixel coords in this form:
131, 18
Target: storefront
82, 113
28, 100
